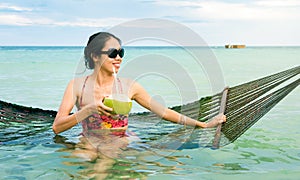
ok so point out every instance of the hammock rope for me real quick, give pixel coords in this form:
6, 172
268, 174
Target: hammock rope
248, 115
243, 106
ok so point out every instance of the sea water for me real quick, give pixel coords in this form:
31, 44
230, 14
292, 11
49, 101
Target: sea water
37, 77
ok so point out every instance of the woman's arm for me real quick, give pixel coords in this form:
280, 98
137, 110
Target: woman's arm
63, 120
140, 95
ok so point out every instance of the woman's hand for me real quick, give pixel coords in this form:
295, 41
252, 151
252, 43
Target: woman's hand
219, 119
99, 108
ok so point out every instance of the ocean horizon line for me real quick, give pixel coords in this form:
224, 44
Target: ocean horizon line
146, 46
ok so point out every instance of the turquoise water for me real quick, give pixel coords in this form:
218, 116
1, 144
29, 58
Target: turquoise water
37, 76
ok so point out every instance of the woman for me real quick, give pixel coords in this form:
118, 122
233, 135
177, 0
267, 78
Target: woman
104, 54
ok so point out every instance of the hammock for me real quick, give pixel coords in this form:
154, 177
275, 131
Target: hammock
243, 105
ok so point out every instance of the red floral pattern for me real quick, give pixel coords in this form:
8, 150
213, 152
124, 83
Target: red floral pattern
96, 121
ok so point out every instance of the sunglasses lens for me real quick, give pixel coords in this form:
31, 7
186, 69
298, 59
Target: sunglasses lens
114, 52
121, 52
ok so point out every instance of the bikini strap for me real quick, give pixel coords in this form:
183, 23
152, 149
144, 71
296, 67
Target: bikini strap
82, 90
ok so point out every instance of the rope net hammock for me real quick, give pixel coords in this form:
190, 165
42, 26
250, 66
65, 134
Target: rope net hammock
243, 105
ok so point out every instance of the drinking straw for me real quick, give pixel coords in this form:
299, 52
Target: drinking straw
115, 76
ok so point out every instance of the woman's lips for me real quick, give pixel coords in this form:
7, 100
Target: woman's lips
117, 65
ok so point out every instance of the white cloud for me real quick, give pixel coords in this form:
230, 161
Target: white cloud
176, 3
253, 21
278, 3
18, 20
4, 6
236, 11
15, 20
90, 22
255, 10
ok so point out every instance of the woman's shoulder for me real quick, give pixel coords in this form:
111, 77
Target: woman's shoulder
80, 79
131, 85
78, 82
127, 82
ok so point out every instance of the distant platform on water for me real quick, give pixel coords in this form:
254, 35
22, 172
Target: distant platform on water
235, 46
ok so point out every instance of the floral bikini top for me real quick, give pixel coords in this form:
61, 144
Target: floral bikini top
96, 121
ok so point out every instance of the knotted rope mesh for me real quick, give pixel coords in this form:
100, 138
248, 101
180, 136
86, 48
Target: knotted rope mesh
245, 105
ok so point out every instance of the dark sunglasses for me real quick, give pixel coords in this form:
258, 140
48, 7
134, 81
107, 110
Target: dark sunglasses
112, 53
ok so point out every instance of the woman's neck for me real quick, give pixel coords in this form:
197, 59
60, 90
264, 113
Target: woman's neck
103, 78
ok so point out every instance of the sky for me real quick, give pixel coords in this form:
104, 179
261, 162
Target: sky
218, 22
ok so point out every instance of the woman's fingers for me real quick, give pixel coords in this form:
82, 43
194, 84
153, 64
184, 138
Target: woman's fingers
223, 118
103, 110
219, 119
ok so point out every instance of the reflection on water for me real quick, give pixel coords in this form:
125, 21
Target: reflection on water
261, 142
231, 166
258, 151
161, 151
131, 163
153, 148
41, 154
137, 155
165, 149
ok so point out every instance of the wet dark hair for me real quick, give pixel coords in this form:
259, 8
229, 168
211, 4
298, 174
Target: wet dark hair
95, 45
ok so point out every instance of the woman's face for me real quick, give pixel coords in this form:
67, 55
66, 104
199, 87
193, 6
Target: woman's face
105, 62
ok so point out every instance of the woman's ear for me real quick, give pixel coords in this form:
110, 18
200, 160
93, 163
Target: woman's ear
94, 57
